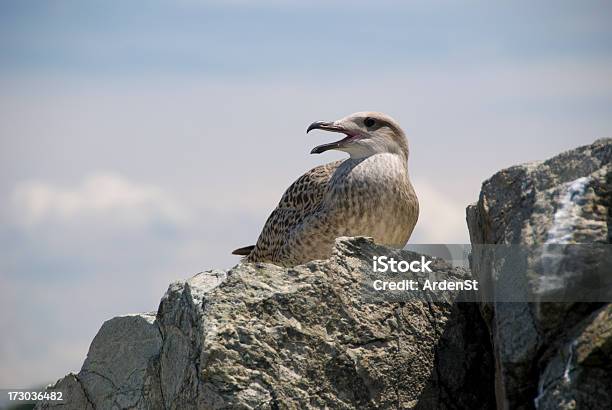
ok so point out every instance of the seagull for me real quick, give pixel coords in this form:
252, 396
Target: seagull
368, 194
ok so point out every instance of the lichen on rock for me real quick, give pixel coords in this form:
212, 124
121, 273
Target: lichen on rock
262, 336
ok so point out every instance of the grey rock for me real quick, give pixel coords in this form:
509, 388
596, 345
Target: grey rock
578, 375
262, 336
566, 199
72, 392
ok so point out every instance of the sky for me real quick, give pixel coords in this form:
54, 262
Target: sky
140, 142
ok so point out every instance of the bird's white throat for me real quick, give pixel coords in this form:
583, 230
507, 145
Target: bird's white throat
363, 148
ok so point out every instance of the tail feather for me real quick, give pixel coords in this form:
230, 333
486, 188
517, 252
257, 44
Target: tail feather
243, 251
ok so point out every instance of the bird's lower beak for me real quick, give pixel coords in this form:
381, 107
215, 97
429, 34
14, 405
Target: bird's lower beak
332, 127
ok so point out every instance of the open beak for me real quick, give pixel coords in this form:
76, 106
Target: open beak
332, 127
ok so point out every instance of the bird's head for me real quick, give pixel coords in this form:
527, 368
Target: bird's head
367, 133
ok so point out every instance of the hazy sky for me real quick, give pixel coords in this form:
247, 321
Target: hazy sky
140, 142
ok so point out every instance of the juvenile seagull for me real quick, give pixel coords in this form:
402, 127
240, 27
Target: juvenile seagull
368, 194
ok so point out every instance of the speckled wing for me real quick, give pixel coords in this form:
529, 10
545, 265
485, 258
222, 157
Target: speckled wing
299, 200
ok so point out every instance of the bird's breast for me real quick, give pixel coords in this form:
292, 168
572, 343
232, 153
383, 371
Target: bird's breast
381, 174
374, 197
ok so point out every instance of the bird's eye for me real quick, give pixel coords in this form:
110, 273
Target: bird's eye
369, 122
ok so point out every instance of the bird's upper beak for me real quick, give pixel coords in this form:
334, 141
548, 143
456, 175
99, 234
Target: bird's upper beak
324, 125
329, 126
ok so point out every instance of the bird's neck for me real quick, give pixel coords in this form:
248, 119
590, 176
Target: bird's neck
381, 163
360, 152
381, 157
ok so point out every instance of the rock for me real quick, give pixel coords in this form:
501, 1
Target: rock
578, 376
262, 336
120, 368
563, 199
315, 336
567, 199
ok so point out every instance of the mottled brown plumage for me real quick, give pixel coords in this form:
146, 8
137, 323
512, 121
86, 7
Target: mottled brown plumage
369, 194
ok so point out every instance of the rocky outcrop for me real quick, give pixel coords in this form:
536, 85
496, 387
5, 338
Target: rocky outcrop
550, 355
315, 336
262, 336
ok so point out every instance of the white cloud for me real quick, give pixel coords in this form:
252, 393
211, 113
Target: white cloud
107, 194
441, 219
